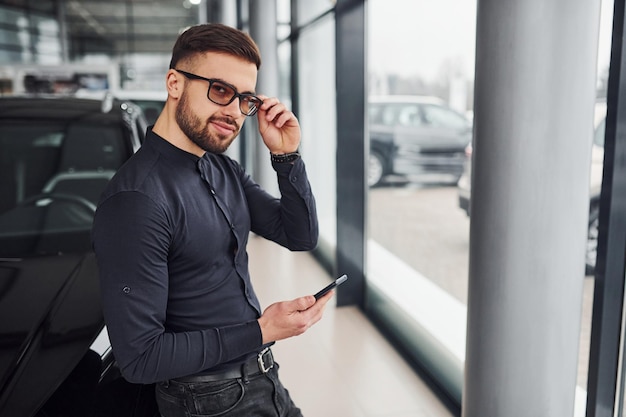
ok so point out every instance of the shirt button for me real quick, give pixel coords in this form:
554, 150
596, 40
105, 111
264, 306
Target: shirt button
294, 178
126, 290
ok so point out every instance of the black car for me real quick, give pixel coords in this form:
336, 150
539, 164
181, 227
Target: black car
56, 156
414, 137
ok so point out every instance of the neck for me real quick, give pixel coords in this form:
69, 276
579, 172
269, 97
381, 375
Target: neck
166, 127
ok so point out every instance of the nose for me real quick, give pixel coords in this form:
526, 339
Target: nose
232, 109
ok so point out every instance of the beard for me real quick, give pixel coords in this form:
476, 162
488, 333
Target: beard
198, 131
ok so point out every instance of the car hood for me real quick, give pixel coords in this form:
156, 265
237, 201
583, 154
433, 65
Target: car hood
51, 314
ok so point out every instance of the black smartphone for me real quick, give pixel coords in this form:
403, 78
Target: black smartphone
330, 286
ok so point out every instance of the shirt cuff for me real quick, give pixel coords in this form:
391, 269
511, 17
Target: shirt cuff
241, 339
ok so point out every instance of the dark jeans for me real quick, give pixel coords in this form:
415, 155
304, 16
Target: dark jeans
262, 395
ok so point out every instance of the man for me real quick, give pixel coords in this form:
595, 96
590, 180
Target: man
170, 236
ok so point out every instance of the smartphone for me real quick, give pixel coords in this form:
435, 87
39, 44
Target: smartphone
330, 286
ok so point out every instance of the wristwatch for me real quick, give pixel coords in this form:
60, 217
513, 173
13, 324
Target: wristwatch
285, 157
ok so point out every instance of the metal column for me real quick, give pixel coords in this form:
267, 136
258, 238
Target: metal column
534, 98
352, 149
607, 378
263, 28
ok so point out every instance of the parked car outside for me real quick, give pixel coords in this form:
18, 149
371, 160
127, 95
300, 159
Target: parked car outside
597, 161
56, 156
415, 136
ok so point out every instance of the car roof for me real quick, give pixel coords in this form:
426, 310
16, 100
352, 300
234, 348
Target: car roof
141, 95
130, 95
405, 99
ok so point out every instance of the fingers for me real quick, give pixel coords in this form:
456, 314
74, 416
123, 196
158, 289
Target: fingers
273, 111
278, 126
315, 312
304, 303
291, 318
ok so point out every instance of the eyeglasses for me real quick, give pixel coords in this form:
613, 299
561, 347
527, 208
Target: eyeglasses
223, 94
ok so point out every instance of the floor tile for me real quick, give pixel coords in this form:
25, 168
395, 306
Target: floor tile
342, 366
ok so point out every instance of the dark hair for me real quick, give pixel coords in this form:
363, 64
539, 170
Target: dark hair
215, 37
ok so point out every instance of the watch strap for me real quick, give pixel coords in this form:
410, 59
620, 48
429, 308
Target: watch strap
286, 157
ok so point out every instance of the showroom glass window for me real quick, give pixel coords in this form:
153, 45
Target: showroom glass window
418, 225
317, 115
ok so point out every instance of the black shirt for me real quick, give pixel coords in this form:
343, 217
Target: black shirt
170, 236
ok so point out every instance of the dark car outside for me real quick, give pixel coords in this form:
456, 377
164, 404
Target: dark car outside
56, 156
597, 161
414, 137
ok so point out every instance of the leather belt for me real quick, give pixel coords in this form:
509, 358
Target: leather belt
255, 365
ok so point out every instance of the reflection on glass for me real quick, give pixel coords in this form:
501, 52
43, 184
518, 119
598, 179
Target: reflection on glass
311, 9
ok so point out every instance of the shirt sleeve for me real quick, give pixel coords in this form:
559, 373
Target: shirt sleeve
290, 221
131, 236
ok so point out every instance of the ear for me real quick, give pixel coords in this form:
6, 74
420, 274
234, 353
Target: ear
173, 83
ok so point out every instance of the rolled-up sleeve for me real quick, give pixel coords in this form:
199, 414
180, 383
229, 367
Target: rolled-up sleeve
131, 238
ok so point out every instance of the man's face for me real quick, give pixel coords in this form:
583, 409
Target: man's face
211, 126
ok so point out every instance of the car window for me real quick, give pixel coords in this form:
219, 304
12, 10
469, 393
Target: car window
437, 116
409, 115
394, 114
151, 108
51, 177
384, 114
375, 114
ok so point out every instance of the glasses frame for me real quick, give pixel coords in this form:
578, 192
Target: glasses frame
236, 94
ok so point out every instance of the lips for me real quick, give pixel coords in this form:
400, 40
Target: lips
224, 128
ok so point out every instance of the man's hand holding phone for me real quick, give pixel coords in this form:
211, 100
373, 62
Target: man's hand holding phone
292, 318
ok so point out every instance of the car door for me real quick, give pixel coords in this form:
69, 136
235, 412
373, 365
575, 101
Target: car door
52, 171
433, 136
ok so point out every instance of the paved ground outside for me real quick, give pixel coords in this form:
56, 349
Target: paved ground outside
424, 226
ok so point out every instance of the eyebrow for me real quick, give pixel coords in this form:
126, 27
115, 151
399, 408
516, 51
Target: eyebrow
233, 85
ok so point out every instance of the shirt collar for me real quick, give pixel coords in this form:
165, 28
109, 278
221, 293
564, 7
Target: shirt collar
169, 150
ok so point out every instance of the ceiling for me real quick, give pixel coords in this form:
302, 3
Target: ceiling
117, 27
126, 26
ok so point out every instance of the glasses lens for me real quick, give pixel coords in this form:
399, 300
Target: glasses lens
220, 93
250, 105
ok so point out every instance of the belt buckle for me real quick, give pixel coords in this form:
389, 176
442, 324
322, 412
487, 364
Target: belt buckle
261, 360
